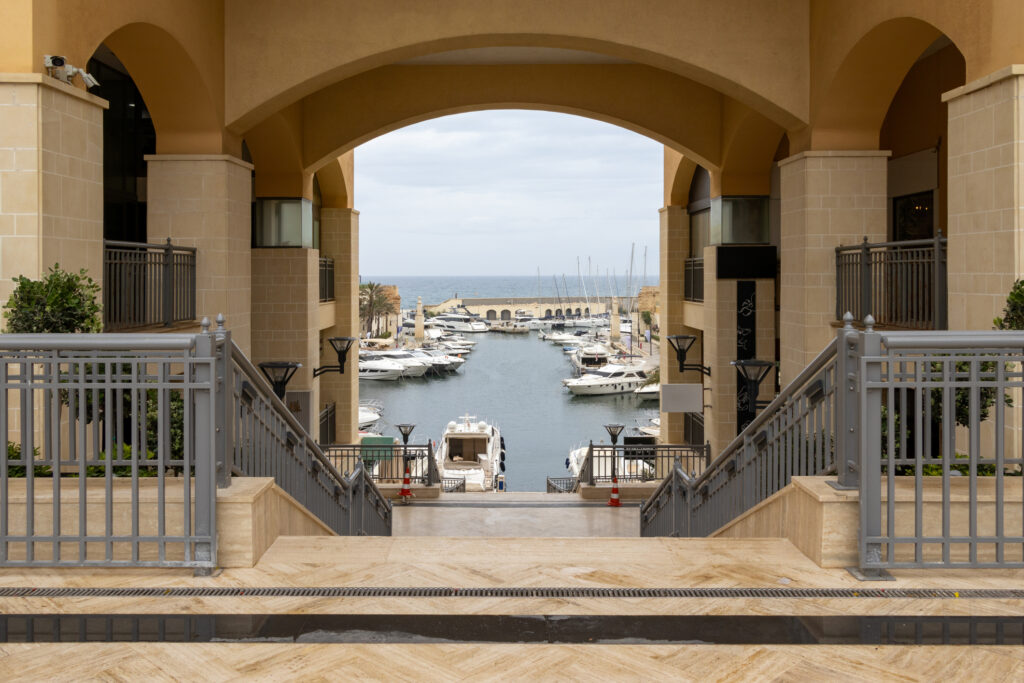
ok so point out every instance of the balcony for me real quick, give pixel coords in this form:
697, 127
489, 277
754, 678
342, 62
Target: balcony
147, 284
326, 279
901, 284
693, 279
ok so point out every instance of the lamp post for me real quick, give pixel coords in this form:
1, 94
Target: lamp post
406, 430
754, 372
341, 346
279, 373
613, 431
681, 343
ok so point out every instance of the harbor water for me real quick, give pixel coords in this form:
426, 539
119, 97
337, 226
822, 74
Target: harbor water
515, 382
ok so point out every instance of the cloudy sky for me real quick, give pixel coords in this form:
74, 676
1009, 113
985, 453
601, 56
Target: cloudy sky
506, 192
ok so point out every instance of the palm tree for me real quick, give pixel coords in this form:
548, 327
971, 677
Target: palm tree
373, 303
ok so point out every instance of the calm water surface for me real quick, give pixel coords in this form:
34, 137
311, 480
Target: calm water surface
514, 381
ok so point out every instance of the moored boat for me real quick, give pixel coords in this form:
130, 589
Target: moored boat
474, 451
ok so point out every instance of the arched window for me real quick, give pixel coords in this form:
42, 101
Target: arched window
547, 313
506, 314
492, 314
558, 312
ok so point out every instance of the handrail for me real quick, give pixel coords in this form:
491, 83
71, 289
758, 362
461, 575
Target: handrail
819, 363
256, 378
146, 245
927, 242
89, 341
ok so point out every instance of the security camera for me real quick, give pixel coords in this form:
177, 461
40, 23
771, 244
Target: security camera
89, 79
54, 61
72, 71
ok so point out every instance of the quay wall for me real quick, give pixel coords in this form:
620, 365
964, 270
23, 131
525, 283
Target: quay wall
504, 308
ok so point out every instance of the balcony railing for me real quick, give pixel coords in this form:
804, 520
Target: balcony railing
386, 463
326, 279
640, 462
147, 284
693, 279
328, 422
901, 284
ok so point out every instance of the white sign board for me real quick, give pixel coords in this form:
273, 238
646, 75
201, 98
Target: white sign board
682, 398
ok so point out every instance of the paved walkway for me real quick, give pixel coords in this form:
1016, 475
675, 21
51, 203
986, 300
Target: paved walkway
515, 514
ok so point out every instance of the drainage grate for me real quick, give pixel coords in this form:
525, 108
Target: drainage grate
510, 592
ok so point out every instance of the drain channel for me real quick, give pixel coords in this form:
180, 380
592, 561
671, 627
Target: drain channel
418, 628
511, 592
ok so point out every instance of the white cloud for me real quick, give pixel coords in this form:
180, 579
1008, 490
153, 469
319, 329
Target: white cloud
506, 192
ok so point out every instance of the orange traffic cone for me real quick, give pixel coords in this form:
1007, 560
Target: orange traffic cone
405, 494
614, 500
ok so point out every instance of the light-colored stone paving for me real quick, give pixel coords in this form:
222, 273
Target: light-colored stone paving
518, 515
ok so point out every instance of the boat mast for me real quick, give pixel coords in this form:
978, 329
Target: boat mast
557, 295
565, 286
583, 285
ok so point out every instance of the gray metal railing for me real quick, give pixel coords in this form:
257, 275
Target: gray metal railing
665, 513
123, 422
901, 284
641, 462
147, 284
386, 463
693, 279
328, 425
453, 485
562, 484
326, 279
922, 424
270, 442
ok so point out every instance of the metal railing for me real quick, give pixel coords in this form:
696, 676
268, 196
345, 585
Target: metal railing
453, 485
923, 424
641, 462
563, 484
328, 425
326, 279
144, 428
123, 422
901, 284
693, 279
147, 284
270, 442
386, 463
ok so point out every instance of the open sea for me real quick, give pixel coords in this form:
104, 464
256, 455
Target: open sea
513, 381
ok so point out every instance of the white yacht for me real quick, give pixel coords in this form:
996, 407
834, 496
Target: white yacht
652, 428
367, 417
590, 357
457, 322
380, 368
473, 451
648, 392
611, 379
411, 365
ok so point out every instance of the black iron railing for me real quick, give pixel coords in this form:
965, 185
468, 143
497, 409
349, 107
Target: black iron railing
147, 284
386, 463
326, 279
900, 284
641, 462
563, 484
693, 279
453, 485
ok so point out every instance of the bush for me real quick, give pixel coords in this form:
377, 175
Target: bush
60, 303
19, 471
1013, 314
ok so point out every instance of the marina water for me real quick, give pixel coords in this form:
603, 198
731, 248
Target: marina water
515, 382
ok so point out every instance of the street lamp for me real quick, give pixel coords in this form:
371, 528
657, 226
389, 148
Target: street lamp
613, 431
279, 373
341, 346
406, 430
754, 372
681, 343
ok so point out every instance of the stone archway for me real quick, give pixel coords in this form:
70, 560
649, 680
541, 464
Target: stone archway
492, 314
506, 314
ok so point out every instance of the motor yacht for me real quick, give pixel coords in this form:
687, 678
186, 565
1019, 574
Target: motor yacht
474, 451
648, 392
590, 357
411, 365
367, 417
611, 379
380, 368
457, 322
626, 467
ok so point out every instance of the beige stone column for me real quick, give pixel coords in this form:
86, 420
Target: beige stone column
51, 179
720, 326
827, 199
339, 239
674, 249
986, 196
205, 201
286, 319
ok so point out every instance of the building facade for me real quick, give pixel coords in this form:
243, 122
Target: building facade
790, 128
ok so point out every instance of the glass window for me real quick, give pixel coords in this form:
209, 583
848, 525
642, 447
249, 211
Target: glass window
700, 226
284, 223
744, 220
913, 217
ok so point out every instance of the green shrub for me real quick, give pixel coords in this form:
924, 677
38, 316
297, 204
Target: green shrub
19, 471
59, 303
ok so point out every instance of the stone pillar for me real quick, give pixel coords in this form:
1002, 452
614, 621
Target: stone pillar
674, 249
205, 201
420, 335
828, 199
986, 197
339, 239
722, 342
51, 179
613, 320
286, 320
